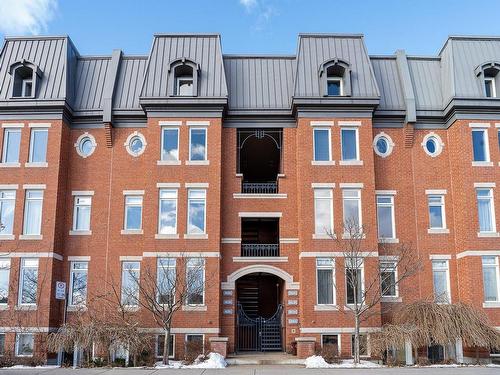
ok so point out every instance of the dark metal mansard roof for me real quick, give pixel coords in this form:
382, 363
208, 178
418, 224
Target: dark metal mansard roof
398, 88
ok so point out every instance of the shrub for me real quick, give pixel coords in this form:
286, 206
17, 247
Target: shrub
330, 353
423, 361
194, 349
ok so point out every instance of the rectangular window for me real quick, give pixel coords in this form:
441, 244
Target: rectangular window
363, 345
160, 346
196, 211
167, 223
330, 340
4, 281
7, 205
352, 208
166, 275
480, 146
196, 341
490, 87
325, 274
197, 144
2, 344
184, 85
334, 87
486, 210
385, 217
437, 217
195, 279
491, 279
133, 212
11, 145
33, 212
130, 283
323, 211
441, 281
24, 344
349, 144
170, 144
28, 282
38, 145
354, 281
322, 144
388, 277
78, 283
81, 213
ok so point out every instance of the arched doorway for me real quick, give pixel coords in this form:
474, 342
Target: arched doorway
259, 325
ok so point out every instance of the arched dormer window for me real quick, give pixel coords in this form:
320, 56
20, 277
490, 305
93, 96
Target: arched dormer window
335, 78
25, 76
488, 73
184, 75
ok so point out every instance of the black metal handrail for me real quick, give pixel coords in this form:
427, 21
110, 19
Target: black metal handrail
260, 250
270, 187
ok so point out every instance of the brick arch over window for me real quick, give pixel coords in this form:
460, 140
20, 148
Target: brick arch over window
336, 68
256, 268
23, 72
182, 67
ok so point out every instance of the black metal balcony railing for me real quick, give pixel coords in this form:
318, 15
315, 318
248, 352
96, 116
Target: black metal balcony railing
260, 187
260, 250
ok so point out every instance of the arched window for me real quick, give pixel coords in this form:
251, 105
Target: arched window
488, 73
24, 79
335, 78
184, 75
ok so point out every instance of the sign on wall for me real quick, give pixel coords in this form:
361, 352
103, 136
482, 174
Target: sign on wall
60, 290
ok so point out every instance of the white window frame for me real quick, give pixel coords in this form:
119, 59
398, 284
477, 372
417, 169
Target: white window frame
127, 205
5, 145
2, 344
356, 130
362, 269
72, 274
358, 198
316, 128
392, 268
2, 200
21, 280
442, 205
172, 265
493, 86
17, 344
32, 134
204, 211
332, 334
327, 267
138, 269
157, 346
26, 203
194, 334
367, 345
5, 266
177, 129
330, 200
205, 129
447, 270
204, 280
77, 205
160, 199
335, 79
393, 215
496, 266
492, 208
486, 141
178, 80
24, 85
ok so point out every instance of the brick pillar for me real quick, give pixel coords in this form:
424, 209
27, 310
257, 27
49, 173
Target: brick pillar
219, 345
306, 346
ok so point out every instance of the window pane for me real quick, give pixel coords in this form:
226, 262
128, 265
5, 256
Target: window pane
385, 222
321, 144
130, 283
479, 145
490, 284
198, 143
333, 87
325, 286
134, 217
363, 344
166, 280
170, 144
82, 218
78, 283
24, 344
29, 281
388, 280
349, 144
38, 146
351, 212
488, 86
353, 281
323, 215
161, 346
196, 213
195, 279
440, 280
2, 344
435, 217
485, 210
7, 204
168, 216
33, 217
4, 281
11, 145
330, 339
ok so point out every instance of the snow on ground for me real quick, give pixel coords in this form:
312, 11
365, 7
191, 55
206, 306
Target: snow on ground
317, 361
22, 367
215, 360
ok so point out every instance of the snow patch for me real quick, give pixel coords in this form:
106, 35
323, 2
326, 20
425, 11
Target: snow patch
215, 360
317, 361
23, 367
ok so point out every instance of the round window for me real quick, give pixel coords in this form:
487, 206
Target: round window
432, 144
135, 144
85, 145
383, 145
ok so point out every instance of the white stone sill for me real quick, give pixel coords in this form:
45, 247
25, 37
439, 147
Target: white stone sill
194, 307
168, 162
438, 231
323, 162
36, 165
164, 236
132, 231
326, 308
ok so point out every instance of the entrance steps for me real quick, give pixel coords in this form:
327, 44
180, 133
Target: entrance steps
263, 358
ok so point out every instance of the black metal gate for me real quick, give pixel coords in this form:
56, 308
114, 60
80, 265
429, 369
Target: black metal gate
259, 334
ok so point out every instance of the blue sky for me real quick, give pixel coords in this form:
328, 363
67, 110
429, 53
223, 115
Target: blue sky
250, 26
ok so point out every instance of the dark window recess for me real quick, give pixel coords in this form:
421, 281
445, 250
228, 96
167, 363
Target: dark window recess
23, 82
259, 237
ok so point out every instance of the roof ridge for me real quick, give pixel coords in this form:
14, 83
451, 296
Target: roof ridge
258, 56
331, 35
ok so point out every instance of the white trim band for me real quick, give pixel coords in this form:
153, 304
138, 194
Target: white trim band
79, 258
196, 185
436, 191
178, 254
335, 254
32, 255
351, 185
439, 256
170, 123
323, 185
485, 185
82, 192
386, 192
478, 253
34, 186
133, 192
260, 214
168, 185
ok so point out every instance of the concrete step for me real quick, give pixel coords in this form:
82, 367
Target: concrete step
263, 359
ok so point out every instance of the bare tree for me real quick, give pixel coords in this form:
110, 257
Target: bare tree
365, 290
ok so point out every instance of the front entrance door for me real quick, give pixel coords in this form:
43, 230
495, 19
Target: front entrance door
259, 316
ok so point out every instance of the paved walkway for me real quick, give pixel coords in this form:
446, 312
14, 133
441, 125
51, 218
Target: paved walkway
260, 370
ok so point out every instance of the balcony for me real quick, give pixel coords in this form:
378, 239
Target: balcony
270, 187
259, 237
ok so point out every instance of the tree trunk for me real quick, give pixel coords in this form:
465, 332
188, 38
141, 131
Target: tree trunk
356, 338
166, 346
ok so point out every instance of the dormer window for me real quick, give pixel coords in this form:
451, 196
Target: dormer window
490, 87
184, 77
488, 74
24, 77
335, 77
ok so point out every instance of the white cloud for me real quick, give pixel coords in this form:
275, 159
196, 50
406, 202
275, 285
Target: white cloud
26, 16
262, 10
248, 4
